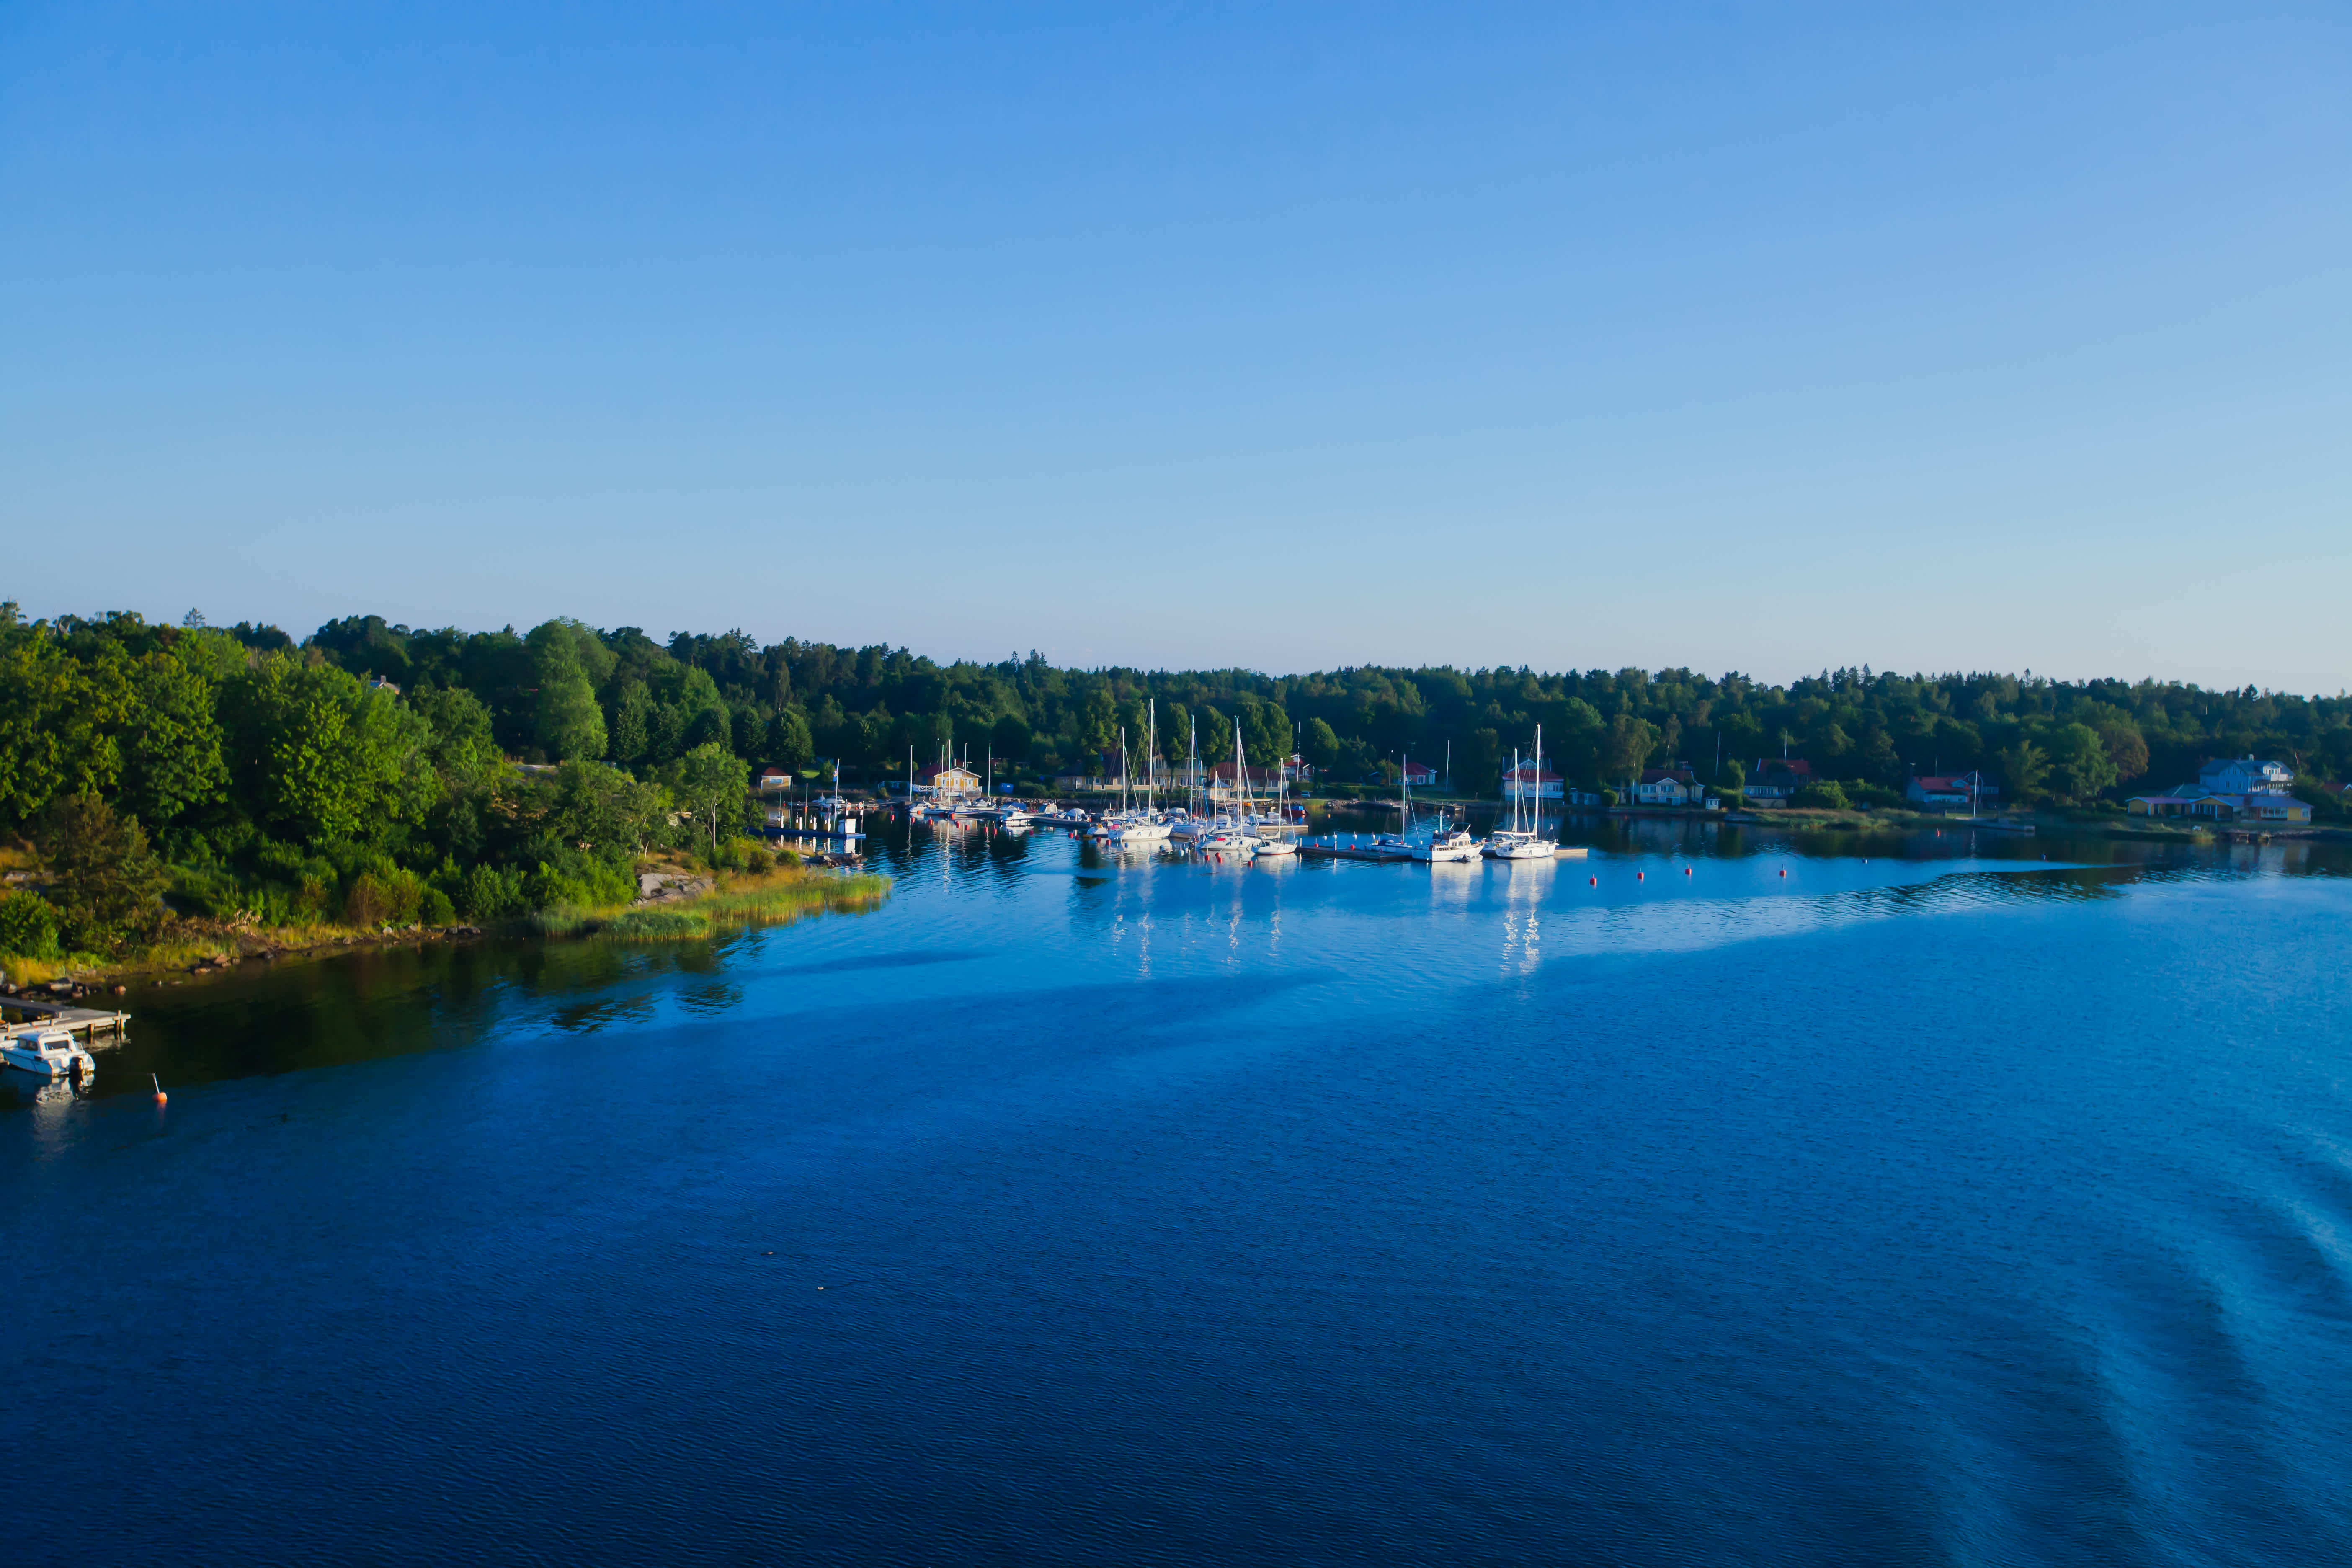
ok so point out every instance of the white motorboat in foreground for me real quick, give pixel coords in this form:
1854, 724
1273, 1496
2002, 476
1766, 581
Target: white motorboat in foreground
51, 1053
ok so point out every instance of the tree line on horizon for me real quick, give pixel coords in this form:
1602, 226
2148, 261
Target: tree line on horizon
365, 770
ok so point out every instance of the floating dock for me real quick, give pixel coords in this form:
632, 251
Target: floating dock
87, 1022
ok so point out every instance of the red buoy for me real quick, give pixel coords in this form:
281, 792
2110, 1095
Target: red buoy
1640, 876
1592, 881
1686, 870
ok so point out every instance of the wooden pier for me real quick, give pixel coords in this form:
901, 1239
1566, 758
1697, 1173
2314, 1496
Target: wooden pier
87, 1022
1335, 851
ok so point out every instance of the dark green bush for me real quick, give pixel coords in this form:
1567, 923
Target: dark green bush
28, 926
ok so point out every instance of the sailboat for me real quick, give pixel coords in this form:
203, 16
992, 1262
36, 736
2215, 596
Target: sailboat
1523, 840
1278, 842
1233, 836
1144, 826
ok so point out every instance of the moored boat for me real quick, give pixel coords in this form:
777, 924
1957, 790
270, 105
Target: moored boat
51, 1053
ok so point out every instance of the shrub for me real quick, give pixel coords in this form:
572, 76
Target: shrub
492, 893
435, 909
384, 894
647, 924
1826, 795
28, 926
572, 879
205, 890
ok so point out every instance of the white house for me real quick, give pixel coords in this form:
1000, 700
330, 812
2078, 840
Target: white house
2244, 775
1531, 783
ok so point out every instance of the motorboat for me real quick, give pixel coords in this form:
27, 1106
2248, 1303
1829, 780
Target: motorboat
51, 1053
1276, 845
1439, 848
1229, 841
1016, 816
1136, 830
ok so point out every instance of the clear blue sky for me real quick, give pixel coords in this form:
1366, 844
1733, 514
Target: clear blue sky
1761, 337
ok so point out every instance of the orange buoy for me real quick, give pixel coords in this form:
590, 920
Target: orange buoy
161, 1098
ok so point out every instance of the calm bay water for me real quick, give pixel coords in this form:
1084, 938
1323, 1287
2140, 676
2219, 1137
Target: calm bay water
1929, 1204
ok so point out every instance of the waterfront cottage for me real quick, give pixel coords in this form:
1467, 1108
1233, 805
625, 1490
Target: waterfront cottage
1676, 785
2260, 805
951, 782
1776, 783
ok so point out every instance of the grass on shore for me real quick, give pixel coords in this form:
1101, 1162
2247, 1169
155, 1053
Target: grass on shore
772, 898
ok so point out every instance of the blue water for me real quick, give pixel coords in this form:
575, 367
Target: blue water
1942, 1207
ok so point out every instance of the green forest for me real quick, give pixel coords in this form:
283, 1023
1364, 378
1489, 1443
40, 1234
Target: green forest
367, 773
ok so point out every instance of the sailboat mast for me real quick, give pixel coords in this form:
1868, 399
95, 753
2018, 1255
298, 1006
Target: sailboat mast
1534, 817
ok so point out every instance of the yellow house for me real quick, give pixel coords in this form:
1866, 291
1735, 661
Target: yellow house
951, 783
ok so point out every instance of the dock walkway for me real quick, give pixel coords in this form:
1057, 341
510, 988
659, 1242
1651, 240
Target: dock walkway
91, 1021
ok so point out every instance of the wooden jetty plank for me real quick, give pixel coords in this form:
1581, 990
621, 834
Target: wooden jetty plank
60, 1015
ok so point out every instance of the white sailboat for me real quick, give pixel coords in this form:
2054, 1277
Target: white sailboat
1233, 835
1278, 842
1523, 840
1144, 826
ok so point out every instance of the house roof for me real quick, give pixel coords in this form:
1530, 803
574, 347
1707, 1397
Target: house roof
1529, 773
1680, 775
1785, 766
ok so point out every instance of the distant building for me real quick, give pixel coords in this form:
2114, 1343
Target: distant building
1676, 785
2244, 775
951, 783
1261, 783
2257, 805
1777, 781
378, 683
1528, 782
1420, 775
773, 779
1950, 792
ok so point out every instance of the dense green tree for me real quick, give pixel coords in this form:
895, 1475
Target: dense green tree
711, 781
321, 757
787, 744
1317, 745
59, 715
101, 876
2079, 762
459, 741
171, 742
628, 726
2024, 771
1626, 745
